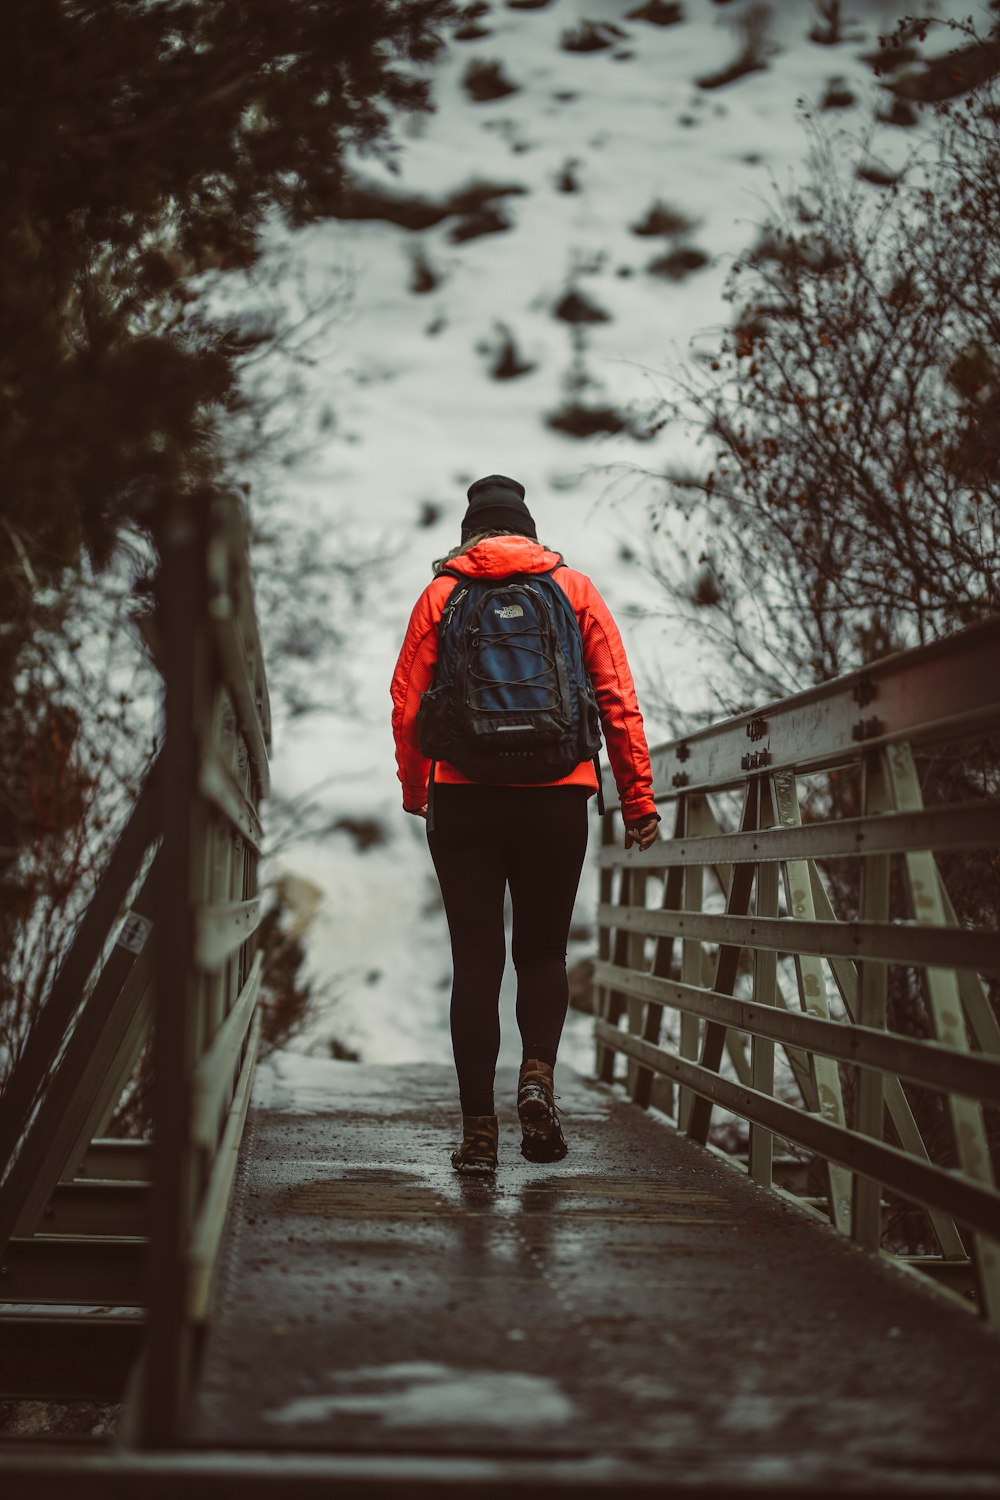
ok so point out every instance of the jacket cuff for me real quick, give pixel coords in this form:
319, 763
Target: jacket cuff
638, 809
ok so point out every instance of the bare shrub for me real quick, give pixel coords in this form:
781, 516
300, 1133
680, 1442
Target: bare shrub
854, 415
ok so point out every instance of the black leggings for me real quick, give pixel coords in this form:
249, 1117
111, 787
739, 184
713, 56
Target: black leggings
486, 838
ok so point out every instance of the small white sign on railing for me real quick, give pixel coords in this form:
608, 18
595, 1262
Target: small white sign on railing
135, 931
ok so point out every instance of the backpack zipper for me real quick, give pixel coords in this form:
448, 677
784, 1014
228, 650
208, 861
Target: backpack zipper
454, 600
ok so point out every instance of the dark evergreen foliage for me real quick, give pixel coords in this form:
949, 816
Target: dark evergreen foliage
142, 145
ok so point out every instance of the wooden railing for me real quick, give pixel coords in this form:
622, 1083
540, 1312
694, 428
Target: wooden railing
802, 880
214, 775
135, 1228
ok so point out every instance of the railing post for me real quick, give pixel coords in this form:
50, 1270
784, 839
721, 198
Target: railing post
604, 1062
812, 992
723, 979
691, 967
765, 992
649, 1089
182, 593
869, 1112
635, 959
945, 1007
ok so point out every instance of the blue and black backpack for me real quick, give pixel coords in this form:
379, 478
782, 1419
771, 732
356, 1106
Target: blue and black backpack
511, 700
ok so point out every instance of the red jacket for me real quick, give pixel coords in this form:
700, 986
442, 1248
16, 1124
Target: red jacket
604, 655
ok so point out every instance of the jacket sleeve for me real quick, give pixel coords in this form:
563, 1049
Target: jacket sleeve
413, 676
621, 721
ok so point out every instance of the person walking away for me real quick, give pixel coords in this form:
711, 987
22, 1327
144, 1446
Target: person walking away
506, 802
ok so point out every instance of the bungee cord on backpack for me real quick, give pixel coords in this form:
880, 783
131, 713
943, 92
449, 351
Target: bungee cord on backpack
482, 685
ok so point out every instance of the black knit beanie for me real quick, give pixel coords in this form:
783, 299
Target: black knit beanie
496, 503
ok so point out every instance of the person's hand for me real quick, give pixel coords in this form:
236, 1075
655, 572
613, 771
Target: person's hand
642, 833
417, 812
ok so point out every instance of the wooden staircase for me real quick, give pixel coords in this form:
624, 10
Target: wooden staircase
107, 1247
72, 1315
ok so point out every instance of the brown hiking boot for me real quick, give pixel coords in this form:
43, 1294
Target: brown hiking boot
541, 1133
478, 1152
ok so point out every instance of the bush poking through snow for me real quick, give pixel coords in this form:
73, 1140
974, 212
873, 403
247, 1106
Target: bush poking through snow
485, 81
486, 219
658, 13
508, 363
893, 52
901, 112
580, 421
367, 833
838, 95
575, 307
678, 264
469, 18
706, 590
819, 254
586, 412
423, 277
592, 36
663, 220
415, 212
878, 175
752, 26
567, 181
471, 31
830, 29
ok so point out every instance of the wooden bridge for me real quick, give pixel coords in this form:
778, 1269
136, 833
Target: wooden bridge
317, 1304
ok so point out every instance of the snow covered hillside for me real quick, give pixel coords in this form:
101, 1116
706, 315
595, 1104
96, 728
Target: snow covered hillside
553, 236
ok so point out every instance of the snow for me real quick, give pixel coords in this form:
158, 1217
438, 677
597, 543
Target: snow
416, 415
421, 1394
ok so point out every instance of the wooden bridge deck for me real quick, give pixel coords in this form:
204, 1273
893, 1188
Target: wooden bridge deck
639, 1312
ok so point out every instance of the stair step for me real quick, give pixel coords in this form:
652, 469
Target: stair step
108, 1270
69, 1356
103, 1206
110, 1157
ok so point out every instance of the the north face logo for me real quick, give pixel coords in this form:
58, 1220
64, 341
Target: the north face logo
509, 612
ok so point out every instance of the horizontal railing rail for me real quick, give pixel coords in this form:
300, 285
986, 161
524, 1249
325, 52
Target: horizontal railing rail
801, 965
924, 695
